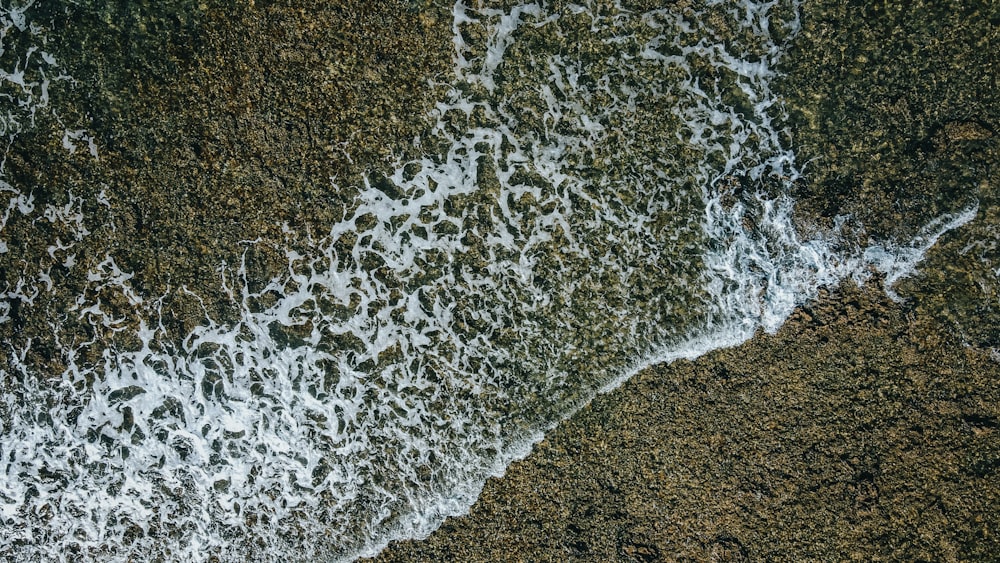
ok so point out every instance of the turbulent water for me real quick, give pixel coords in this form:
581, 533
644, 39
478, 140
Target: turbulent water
610, 189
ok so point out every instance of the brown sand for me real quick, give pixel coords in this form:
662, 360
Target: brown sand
857, 432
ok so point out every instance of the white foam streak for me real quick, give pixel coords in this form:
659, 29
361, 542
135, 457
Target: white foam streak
897, 262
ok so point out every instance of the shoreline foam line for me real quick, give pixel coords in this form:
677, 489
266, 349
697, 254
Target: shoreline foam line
722, 338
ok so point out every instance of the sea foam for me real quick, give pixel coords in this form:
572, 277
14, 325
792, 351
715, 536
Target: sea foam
611, 192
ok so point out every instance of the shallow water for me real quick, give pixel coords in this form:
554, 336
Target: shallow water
601, 187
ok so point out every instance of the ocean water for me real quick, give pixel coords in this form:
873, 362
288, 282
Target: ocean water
607, 186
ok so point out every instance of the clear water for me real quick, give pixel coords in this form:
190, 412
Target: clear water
609, 189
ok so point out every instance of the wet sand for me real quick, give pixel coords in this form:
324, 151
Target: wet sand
858, 432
